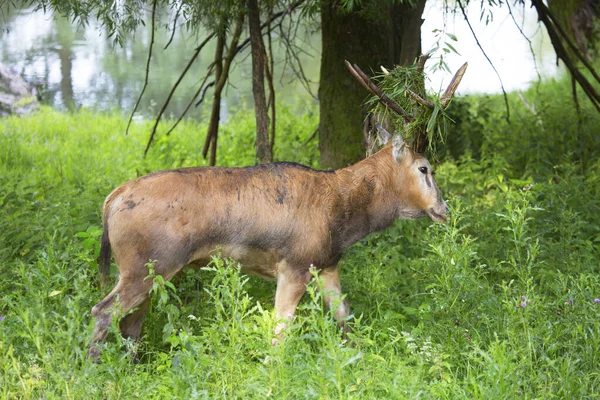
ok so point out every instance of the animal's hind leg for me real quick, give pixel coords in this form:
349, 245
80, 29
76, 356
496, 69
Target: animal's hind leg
129, 293
131, 324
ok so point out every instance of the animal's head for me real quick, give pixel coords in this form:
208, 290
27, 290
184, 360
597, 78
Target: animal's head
419, 195
414, 177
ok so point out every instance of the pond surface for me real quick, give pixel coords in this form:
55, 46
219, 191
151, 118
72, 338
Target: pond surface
79, 67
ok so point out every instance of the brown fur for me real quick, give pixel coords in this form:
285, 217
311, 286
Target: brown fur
276, 219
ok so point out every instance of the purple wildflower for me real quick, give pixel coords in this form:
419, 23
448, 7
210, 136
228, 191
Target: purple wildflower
596, 301
569, 302
1, 317
523, 305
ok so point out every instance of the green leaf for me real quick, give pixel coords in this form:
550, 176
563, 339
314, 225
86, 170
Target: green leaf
452, 48
452, 36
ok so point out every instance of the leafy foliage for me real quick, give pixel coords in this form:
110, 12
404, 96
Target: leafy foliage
498, 303
432, 121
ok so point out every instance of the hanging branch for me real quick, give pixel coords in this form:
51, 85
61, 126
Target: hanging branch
246, 42
577, 106
222, 73
537, 71
464, 13
277, 15
561, 52
293, 60
237, 48
174, 26
164, 107
137, 103
202, 89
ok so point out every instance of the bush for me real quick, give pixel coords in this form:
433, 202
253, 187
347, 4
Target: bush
497, 303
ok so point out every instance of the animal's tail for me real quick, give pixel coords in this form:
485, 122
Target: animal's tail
104, 260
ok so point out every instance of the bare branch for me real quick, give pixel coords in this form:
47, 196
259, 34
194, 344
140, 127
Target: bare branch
371, 87
464, 13
577, 106
174, 25
419, 99
202, 89
137, 103
532, 110
164, 107
528, 41
275, 16
237, 47
291, 55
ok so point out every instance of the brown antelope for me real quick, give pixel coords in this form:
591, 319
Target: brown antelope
275, 219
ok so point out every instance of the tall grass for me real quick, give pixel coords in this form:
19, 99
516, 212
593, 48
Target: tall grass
497, 303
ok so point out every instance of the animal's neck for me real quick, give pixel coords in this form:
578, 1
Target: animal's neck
367, 202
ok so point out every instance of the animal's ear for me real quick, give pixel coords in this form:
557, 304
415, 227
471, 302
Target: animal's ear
383, 136
398, 148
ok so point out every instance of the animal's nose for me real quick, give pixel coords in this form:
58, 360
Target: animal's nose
446, 209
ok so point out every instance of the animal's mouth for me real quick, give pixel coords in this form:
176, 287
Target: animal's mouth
436, 217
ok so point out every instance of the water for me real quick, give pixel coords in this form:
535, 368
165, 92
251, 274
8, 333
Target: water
79, 67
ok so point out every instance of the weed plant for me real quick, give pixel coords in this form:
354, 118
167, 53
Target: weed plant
503, 301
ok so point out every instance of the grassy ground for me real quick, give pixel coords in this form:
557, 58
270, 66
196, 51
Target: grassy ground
498, 303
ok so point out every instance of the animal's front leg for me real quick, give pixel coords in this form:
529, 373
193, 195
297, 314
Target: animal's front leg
291, 285
332, 294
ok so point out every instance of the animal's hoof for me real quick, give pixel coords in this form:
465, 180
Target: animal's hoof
93, 354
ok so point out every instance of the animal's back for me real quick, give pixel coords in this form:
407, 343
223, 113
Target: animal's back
257, 215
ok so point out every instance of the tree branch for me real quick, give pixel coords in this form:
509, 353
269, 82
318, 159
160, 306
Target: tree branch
202, 89
364, 80
137, 103
174, 26
537, 71
570, 43
221, 76
464, 13
170, 95
561, 52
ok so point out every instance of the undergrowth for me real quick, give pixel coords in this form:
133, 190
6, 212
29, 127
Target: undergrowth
503, 301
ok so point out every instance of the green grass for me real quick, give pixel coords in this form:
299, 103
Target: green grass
498, 303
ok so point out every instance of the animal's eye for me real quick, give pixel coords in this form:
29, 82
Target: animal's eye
423, 169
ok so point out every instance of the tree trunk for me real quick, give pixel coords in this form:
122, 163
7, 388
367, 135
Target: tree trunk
263, 146
393, 38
